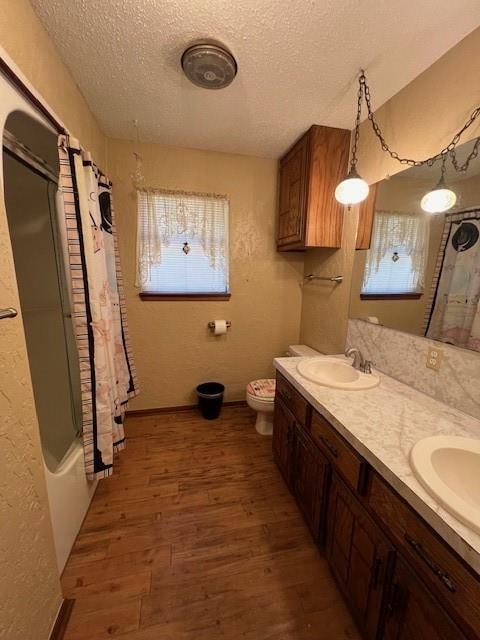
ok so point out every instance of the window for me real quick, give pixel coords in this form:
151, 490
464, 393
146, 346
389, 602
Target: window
397, 258
182, 244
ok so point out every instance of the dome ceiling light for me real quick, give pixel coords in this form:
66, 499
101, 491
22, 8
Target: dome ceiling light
210, 66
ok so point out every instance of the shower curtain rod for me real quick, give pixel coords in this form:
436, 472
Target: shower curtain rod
27, 157
29, 95
38, 104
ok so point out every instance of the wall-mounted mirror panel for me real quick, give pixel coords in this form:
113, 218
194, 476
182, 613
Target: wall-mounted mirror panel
421, 273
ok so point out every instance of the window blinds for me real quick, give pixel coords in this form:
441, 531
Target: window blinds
182, 243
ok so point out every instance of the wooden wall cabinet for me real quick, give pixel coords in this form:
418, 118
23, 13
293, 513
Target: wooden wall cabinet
309, 215
366, 216
399, 579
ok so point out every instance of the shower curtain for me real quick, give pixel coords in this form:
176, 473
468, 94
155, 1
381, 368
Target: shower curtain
98, 307
454, 311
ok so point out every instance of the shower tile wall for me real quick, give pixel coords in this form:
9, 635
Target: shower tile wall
403, 356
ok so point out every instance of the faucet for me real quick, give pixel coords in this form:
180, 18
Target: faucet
359, 362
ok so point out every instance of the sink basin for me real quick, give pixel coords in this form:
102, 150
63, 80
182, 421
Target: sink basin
449, 469
336, 373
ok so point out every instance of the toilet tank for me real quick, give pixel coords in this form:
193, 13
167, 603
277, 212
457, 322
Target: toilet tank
301, 350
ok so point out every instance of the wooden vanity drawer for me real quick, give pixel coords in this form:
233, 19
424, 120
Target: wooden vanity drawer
292, 399
446, 574
350, 464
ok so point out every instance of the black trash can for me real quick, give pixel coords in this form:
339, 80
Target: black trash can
210, 399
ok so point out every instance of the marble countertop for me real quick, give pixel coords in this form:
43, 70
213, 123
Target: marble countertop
383, 424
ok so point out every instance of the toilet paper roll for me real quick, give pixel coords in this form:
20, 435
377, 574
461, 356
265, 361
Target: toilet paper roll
220, 327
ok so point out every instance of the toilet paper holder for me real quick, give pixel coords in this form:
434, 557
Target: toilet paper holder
211, 325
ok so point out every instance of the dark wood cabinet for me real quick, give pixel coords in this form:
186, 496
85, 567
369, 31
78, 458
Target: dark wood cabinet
311, 474
400, 580
359, 556
308, 213
292, 196
366, 215
282, 441
412, 613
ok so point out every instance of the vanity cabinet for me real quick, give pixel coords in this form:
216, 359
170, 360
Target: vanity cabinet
399, 578
311, 475
308, 214
282, 440
412, 613
359, 557
305, 470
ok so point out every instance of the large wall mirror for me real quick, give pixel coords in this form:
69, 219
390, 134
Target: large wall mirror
421, 273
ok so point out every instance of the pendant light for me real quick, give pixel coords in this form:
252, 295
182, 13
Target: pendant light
353, 188
441, 198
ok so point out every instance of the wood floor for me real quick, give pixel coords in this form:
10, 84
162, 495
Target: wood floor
197, 538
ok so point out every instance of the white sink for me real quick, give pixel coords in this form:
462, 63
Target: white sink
449, 469
336, 373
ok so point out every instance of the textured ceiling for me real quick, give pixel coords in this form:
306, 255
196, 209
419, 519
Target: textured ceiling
297, 62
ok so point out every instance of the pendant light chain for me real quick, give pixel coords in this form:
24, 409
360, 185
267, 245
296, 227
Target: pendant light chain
448, 150
361, 84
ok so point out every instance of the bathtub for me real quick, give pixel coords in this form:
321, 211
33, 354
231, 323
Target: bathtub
69, 496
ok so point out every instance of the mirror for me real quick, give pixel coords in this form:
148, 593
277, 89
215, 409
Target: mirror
421, 274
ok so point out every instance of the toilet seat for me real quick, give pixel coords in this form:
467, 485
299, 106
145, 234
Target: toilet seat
262, 390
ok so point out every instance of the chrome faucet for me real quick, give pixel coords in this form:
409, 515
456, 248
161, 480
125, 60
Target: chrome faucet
359, 362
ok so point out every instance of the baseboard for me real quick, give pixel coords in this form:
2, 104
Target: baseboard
137, 413
63, 616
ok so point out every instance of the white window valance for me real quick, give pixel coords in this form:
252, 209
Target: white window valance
167, 218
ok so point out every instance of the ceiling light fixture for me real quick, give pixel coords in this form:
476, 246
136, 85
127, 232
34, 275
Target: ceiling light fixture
353, 189
441, 198
210, 66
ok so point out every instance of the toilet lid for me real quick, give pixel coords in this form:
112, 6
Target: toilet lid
264, 388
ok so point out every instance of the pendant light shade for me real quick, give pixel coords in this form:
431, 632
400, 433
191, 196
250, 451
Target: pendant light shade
440, 199
352, 189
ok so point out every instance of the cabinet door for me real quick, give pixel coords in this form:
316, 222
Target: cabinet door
412, 613
283, 439
365, 219
292, 205
359, 556
311, 472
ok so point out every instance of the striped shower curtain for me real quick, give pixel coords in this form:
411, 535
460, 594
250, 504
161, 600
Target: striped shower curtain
98, 307
453, 312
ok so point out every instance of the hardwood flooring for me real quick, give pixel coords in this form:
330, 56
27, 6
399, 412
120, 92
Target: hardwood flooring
196, 537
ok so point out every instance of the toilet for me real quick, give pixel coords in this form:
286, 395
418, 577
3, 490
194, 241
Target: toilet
261, 398
261, 393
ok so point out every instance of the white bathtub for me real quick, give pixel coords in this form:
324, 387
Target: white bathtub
69, 495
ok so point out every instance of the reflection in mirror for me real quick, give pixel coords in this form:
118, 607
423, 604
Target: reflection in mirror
421, 273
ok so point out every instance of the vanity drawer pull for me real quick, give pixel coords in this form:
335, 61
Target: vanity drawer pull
342, 456
441, 575
333, 450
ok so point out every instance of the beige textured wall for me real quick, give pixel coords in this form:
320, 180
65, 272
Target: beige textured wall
418, 121
29, 587
174, 350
